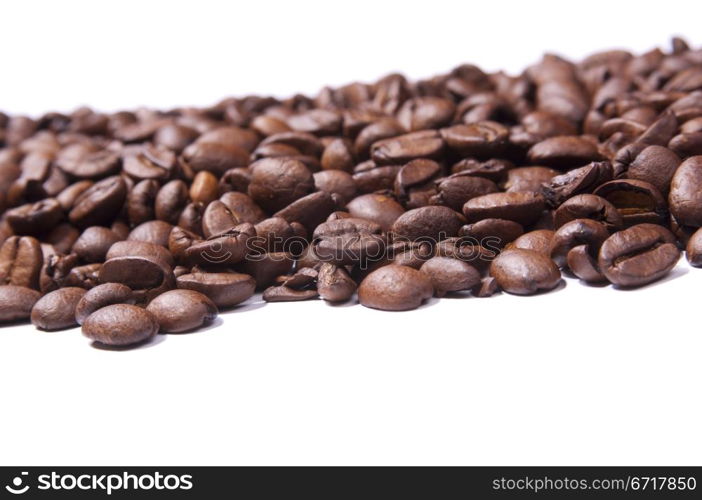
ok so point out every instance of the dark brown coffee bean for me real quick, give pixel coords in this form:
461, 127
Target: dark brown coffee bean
494, 170
577, 181
487, 287
395, 288
384, 128
336, 182
685, 145
140, 249
306, 144
525, 272
170, 201
35, 218
528, 179
215, 157
414, 174
102, 296
16, 302
265, 268
182, 310
243, 207
694, 249
120, 325
141, 200
56, 310
205, 187
93, 165
523, 208
99, 203
93, 243
589, 206
191, 218
480, 140
68, 196
423, 113
348, 241
638, 255
147, 277
334, 284
637, 201
655, 165
274, 234
454, 191
564, 152
338, 155
62, 237
404, 148
275, 182
224, 289
225, 248
685, 197
433, 223
175, 137
155, 231
583, 264
20, 262
575, 233
309, 211
498, 232
217, 219
370, 177
377, 208
450, 275
285, 294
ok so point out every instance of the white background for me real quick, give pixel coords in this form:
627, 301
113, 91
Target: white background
578, 376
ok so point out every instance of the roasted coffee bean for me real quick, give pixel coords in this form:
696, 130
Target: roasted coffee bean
454, 191
302, 279
377, 208
217, 219
694, 249
170, 201
274, 234
487, 287
16, 302
243, 207
147, 277
62, 237
56, 310
395, 288
370, 177
685, 145
68, 196
637, 201
309, 211
423, 113
433, 223
93, 165
528, 179
265, 268
285, 294
155, 231
237, 136
348, 241
205, 187
334, 284
215, 157
577, 181
589, 206
575, 233
35, 218
480, 140
564, 152
685, 197
93, 243
141, 202
304, 143
523, 208
382, 129
99, 203
638, 255
277, 182
655, 165
140, 249
175, 137
225, 248
525, 272
450, 275
191, 217
224, 289
101, 296
336, 182
20, 262
583, 264
86, 276
182, 310
498, 232
120, 325
338, 155
494, 170
404, 148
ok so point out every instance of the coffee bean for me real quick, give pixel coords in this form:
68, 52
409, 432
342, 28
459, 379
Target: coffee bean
35, 218
217, 219
265, 268
93, 165
694, 249
182, 310
68, 195
433, 223
225, 248
224, 289
215, 157
93, 244
523, 208
101, 296
56, 310
454, 191
404, 148
369, 177
655, 165
498, 232
395, 288
334, 284
480, 140
338, 155
487, 287
575, 233
175, 137
494, 169
20, 262
589, 206
285, 294
16, 302
154, 231
638, 255
62, 237
243, 207
450, 275
423, 113
170, 201
686, 193
99, 203
348, 241
528, 179
583, 264
525, 272
336, 182
309, 211
577, 181
148, 277
637, 201
141, 201
205, 187
564, 152
140, 249
275, 182
377, 208
120, 325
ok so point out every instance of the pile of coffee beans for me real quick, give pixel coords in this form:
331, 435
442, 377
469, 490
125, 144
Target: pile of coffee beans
469, 183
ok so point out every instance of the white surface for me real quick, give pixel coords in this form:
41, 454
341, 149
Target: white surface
580, 376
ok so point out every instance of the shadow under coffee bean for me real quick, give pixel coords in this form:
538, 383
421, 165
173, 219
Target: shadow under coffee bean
391, 194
